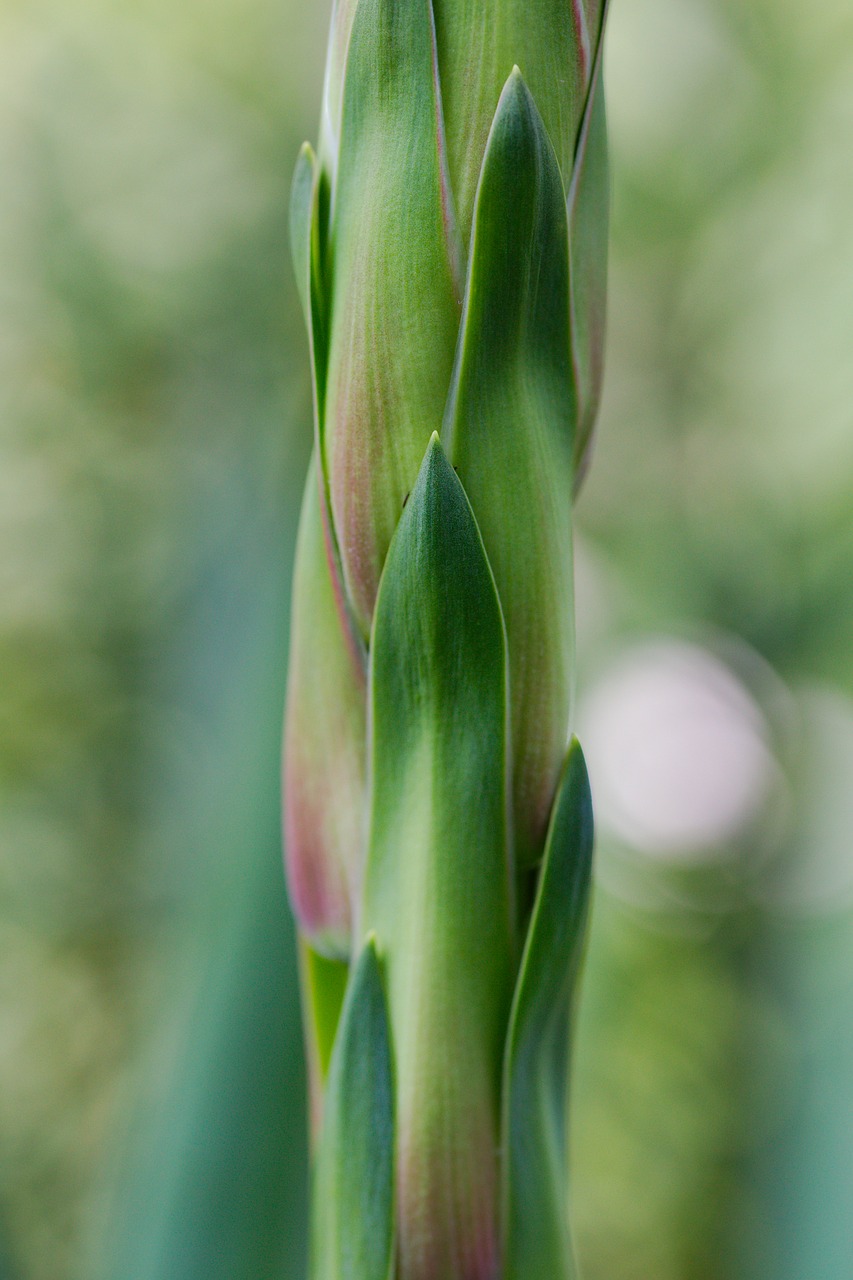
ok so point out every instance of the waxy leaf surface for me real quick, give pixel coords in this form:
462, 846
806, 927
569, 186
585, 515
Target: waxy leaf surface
394, 285
509, 430
324, 747
438, 881
537, 1245
352, 1236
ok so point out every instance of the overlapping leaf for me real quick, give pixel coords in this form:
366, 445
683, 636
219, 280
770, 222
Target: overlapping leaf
536, 1243
394, 282
509, 429
352, 1236
324, 748
479, 42
589, 225
437, 888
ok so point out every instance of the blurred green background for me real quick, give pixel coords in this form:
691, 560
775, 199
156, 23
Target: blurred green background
154, 434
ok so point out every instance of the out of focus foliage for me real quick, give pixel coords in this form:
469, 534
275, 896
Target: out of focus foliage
153, 439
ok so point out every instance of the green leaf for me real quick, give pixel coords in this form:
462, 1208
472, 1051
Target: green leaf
509, 430
478, 45
537, 1243
589, 229
438, 881
343, 13
301, 216
395, 294
352, 1235
323, 985
324, 746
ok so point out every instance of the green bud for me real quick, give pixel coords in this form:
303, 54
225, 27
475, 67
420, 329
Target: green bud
509, 430
450, 244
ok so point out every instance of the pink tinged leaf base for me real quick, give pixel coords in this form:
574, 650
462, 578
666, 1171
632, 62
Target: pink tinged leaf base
324, 748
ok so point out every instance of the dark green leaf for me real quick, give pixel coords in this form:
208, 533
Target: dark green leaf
353, 1195
537, 1244
437, 887
509, 429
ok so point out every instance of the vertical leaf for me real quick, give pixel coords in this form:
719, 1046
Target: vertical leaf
324, 747
353, 1195
589, 228
537, 1245
509, 429
437, 888
395, 304
479, 42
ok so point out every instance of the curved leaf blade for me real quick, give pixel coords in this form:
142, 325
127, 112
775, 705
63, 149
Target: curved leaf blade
509, 429
537, 1245
352, 1236
438, 881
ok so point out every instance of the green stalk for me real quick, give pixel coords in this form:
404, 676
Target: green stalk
450, 244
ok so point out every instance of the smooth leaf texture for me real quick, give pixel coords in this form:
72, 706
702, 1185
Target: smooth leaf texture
589, 228
437, 888
324, 747
479, 42
509, 430
537, 1246
343, 13
301, 216
323, 986
352, 1230
395, 296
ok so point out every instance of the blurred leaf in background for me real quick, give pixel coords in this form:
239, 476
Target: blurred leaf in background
154, 433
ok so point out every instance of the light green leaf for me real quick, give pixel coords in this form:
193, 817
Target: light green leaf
323, 985
478, 45
509, 429
537, 1245
352, 1232
438, 882
324, 746
589, 229
395, 293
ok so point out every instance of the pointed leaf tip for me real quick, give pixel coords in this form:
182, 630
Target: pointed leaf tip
438, 880
537, 1243
301, 207
353, 1200
509, 427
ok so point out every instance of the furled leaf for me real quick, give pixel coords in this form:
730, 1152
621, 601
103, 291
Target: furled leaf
589, 227
352, 1231
395, 303
537, 1246
479, 42
324, 747
437, 888
509, 429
